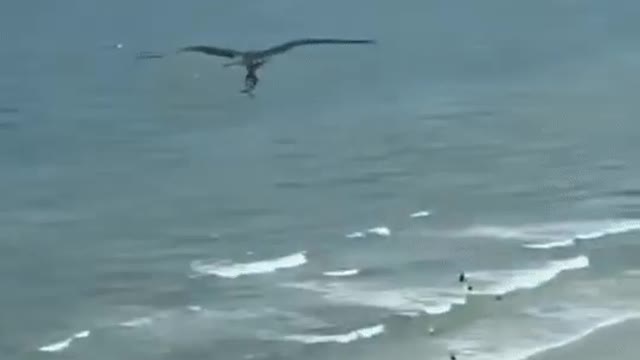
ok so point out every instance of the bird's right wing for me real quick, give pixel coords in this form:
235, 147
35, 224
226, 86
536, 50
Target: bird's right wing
278, 49
210, 50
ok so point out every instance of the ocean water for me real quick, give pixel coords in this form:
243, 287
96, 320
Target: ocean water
148, 210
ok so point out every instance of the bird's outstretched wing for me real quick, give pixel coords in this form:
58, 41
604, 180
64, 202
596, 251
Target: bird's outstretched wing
210, 50
278, 49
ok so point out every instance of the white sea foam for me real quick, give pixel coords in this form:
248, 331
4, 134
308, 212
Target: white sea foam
420, 214
403, 301
194, 308
612, 228
58, 346
342, 273
137, 322
505, 232
380, 230
552, 235
363, 333
411, 314
82, 334
61, 345
233, 271
500, 282
551, 245
355, 235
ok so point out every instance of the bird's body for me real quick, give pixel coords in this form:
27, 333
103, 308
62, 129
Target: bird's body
252, 60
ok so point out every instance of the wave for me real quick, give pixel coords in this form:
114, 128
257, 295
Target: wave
58, 346
379, 230
355, 235
61, 345
611, 229
551, 245
605, 324
420, 214
500, 282
402, 301
233, 271
608, 229
82, 334
342, 273
552, 235
354, 335
137, 322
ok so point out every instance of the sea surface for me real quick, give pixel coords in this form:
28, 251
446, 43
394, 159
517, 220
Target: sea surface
148, 210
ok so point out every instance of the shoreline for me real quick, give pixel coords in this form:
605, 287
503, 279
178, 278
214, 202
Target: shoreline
616, 341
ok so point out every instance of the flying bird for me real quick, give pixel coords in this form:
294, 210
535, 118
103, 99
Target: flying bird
252, 60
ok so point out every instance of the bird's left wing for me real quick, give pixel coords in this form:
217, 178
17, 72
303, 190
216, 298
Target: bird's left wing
210, 50
278, 49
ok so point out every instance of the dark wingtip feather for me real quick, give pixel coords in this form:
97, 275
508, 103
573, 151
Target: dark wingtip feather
367, 41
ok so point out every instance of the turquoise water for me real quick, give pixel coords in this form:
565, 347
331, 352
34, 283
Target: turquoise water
150, 211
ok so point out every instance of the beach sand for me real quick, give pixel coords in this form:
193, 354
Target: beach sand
616, 342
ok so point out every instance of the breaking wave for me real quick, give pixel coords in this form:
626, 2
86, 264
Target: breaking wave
354, 335
553, 235
420, 214
378, 230
137, 322
550, 245
61, 345
233, 271
342, 273
500, 282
